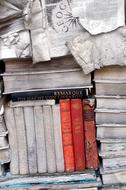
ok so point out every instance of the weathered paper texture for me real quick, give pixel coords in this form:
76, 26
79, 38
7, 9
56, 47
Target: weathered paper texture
15, 45
99, 16
93, 52
62, 26
14, 38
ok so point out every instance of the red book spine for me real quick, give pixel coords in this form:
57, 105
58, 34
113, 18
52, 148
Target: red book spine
67, 135
78, 134
90, 134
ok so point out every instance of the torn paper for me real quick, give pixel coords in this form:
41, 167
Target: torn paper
99, 16
93, 52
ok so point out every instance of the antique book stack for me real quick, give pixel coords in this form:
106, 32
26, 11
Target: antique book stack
110, 83
50, 122
61, 73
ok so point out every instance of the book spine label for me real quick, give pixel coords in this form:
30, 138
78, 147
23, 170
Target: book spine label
90, 134
78, 134
67, 135
49, 94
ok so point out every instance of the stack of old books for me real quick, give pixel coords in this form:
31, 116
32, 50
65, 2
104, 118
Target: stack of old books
110, 85
50, 121
4, 146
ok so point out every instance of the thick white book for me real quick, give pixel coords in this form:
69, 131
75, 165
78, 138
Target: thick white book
40, 139
111, 102
111, 131
112, 149
13, 141
107, 116
58, 138
22, 141
49, 135
110, 87
31, 139
21, 65
114, 72
45, 80
114, 178
115, 164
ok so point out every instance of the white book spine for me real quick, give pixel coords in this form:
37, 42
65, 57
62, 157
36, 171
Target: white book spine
49, 133
40, 139
10, 122
31, 140
58, 139
22, 143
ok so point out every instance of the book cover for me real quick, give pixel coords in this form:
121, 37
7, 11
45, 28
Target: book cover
90, 134
78, 134
66, 127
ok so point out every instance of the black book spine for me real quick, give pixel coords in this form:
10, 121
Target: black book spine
49, 94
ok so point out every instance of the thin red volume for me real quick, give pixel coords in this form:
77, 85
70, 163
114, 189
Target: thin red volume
78, 134
90, 136
67, 135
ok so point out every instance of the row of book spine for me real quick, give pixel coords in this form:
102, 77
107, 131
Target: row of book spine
45, 137
78, 132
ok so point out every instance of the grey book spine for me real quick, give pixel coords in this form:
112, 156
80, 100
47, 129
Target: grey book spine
40, 139
22, 142
10, 123
31, 140
49, 133
58, 139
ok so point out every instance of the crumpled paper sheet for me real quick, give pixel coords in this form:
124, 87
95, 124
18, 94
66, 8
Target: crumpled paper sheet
94, 52
99, 16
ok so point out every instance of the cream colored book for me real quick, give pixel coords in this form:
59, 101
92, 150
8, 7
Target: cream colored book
58, 138
13, 141
49, 135
31, 140
22, 141
40, 139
